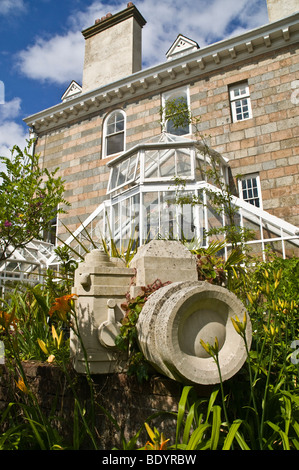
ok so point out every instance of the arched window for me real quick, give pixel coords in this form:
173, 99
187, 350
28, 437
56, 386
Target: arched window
114, 133
178, 99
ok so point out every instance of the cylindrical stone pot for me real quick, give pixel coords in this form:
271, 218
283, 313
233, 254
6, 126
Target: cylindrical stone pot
177, 317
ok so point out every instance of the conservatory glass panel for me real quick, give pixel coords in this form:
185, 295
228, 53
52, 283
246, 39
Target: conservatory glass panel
187, 224
125, 231
134, 220
168, 223
123, 173
115, 220
215, 219
151, 215
183, 163
135, 212
200, 213
151, 164
114, 175
123, 170
131, 168
167, 164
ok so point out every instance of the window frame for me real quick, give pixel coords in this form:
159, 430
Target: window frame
235, 98
172, 94
251, 176
106, 134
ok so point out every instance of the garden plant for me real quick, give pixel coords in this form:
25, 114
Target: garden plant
257, 409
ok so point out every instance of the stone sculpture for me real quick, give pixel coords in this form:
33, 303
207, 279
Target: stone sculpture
100, 286
177, 317
172, 322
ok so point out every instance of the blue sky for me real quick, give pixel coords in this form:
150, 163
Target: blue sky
42, 48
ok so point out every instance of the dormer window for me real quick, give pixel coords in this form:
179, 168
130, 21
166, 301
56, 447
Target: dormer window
181, 46
72, 91
114, 133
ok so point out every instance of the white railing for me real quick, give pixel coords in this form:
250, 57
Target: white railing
88, 233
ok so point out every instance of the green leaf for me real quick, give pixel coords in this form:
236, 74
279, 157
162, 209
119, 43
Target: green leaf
76, 433
232, 434
34, 425
213, 397
197, 436
188, 424
284, 437
181, 410
215, 434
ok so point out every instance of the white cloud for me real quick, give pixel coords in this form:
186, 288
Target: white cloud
9, 7
59, 59
10, 109
11, 132
204, 22
81, 19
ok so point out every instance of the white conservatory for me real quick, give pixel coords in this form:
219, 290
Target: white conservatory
159, 189
145, 199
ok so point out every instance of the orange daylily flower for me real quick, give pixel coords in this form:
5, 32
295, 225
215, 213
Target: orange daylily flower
162, 445
159, 443
62, 306
7, 320
21, 385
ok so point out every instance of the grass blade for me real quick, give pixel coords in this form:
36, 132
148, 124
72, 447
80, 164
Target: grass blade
215, 427
213, 397
232, 434
76, 433
284, 437
181, 410
197, 436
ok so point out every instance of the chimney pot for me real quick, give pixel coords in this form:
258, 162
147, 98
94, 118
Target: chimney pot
130, 4
108, 15
97, 21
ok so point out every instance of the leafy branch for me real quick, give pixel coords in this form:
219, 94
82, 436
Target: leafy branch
30, 198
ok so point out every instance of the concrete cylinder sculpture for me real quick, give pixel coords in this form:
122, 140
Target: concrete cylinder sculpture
177, 317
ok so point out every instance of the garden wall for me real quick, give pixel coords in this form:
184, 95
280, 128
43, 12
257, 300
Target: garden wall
129, 402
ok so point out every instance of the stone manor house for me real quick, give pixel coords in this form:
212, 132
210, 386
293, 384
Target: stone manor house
120, 155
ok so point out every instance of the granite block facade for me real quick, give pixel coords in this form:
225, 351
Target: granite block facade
266, 144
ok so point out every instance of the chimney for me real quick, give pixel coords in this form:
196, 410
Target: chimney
278, 9
112, 48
